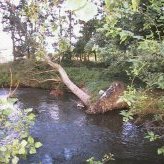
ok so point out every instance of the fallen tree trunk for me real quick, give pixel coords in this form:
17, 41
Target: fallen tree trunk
110, 100
84, 97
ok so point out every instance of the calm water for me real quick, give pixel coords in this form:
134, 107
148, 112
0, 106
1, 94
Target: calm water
70, 136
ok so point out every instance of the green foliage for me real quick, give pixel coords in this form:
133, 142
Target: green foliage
129, 95
30, 68
160, 151
81, 9
137, 28
91, 79
127, 115
63, 45
93, 161
142, 103
32, 11
131, 38
150, 53
16, 141
106, 158
135, 5
94, 79
4, 75
151, 136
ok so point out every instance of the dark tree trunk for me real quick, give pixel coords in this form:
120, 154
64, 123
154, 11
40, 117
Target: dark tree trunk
13, 41
95, 56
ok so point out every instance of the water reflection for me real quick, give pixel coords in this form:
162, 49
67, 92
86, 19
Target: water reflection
111, 120
46, 159
52, 110
69, 136
129, 132
80, 121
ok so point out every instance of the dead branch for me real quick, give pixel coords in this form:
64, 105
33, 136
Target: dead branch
11, 93
43, 81
11, 80
38, 73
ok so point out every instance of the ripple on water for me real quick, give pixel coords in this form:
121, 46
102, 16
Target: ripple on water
70, 136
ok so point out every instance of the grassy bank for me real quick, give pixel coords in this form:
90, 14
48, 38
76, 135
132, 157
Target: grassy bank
30, 73
34, 74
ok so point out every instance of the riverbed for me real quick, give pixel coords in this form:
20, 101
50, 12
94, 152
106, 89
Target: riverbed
70, 136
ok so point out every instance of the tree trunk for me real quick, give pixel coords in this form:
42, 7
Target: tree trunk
84, 97
110, 100
95, 56
13, 41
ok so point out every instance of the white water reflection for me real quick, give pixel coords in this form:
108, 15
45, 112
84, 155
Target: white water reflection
52, 110
129, 132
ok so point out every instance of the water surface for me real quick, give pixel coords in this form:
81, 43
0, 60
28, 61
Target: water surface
70, 136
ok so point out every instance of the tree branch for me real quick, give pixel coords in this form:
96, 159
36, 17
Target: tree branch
43, 81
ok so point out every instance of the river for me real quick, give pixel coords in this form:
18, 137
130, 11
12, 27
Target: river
69, 136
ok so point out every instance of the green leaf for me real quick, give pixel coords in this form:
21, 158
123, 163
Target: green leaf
138, 37
87, 12
7, 111
75, 4
32, 150
110, 4
8, 124
160, 150
38, 145
31, 116
22, 151
28, 110
24, 135
2, 148
3, 101
161, 17
135, 4
15, 160
12, 100
23, 143
30, 140
15, 142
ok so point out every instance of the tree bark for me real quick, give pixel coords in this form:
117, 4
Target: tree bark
110, 100
84, 97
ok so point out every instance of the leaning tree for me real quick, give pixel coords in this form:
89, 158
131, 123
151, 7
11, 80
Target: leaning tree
111, 98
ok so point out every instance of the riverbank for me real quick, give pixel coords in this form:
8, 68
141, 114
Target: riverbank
146, 107
33, 74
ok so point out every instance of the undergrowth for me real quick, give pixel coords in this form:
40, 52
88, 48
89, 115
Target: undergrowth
31, 73
15, 139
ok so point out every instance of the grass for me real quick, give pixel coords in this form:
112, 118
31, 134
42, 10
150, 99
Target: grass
26, 71
89, 78
23, 72
92, 79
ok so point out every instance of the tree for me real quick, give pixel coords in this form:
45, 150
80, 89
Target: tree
102, 104
34, 13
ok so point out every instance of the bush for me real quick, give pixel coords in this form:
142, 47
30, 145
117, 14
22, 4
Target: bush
16, 141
